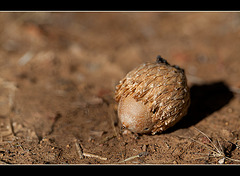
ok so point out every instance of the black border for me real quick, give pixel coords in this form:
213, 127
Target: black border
118, 6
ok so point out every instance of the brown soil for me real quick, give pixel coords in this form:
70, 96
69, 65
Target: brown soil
58, 73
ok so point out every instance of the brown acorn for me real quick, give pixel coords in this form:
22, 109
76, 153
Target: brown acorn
152, 97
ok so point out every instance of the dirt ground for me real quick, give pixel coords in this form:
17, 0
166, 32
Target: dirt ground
58, 73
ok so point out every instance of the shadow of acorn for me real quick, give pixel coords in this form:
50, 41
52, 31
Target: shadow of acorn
205, 100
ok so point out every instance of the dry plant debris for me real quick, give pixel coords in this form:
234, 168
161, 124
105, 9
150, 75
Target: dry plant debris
84, 154
217, 150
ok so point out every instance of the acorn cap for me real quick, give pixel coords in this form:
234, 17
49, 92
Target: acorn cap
160, 92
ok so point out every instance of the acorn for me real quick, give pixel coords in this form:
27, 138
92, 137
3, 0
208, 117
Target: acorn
152, 97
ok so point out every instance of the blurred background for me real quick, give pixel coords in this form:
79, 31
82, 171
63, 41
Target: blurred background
108, 45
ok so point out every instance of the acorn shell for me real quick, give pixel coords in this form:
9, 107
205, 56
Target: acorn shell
161, 88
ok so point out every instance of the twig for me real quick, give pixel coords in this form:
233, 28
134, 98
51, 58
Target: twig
84, 154
79, 150
133, 157
25, 58
94, 156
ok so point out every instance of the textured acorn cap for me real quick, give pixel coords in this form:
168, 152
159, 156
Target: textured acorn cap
152, 97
